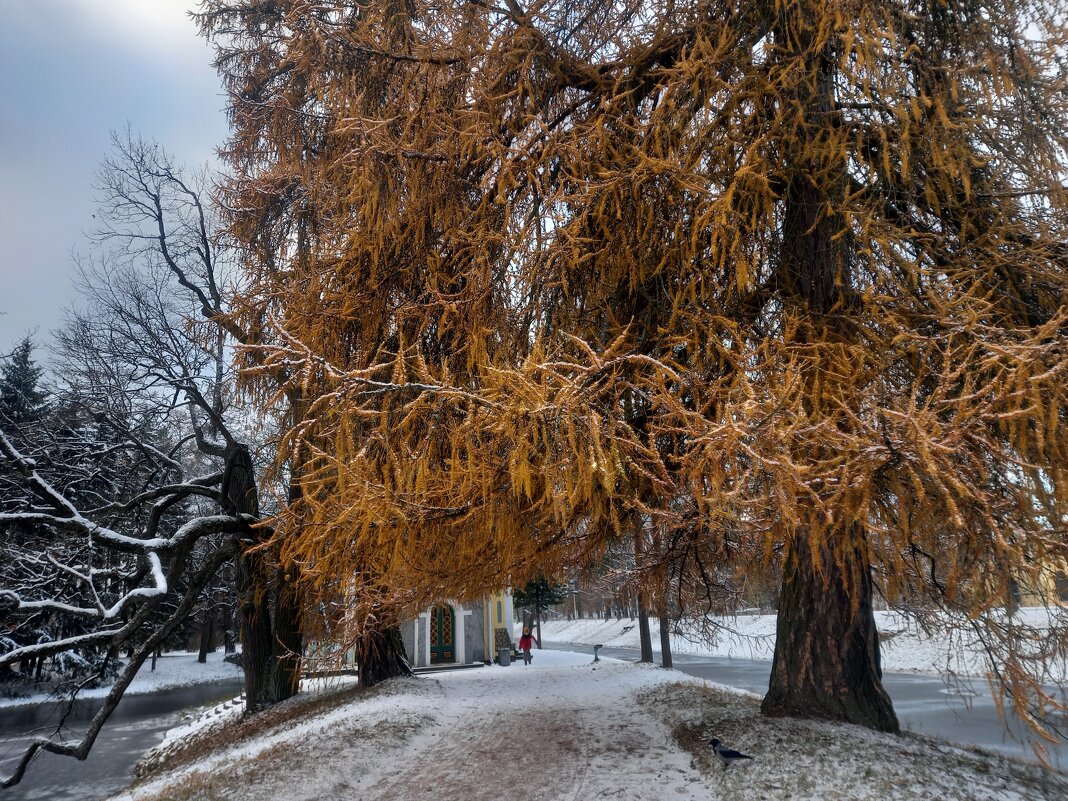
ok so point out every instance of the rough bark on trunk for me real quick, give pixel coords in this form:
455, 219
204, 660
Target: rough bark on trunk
283, 680
826, 662
257, 656
380, 655
257, 649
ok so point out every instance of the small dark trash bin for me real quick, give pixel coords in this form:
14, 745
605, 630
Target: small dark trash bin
504, 656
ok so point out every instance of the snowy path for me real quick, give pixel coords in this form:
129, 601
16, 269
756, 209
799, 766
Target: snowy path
560, 741
522, 753
564, 729
559, 729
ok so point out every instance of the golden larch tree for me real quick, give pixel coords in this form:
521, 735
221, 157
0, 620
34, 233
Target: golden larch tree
764, 283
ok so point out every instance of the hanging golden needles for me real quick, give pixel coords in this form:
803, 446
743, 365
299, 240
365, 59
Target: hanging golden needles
763, 284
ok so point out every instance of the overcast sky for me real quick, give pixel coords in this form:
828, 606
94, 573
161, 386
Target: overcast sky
70, 72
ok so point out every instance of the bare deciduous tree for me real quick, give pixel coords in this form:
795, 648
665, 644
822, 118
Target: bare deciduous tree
148, 355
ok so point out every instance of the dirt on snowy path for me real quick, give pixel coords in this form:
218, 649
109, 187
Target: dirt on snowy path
561, 742
566, 729
561, 728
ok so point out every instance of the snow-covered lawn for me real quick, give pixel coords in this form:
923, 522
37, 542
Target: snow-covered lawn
172, 670
905, 647
564, 728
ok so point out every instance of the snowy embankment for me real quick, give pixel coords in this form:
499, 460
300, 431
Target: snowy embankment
172, 670
565, 728
905, 647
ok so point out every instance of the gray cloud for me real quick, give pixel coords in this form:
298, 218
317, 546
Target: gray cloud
70, 72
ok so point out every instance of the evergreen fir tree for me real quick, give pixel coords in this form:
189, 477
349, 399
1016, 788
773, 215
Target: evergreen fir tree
539, 595
22, 401
536, 597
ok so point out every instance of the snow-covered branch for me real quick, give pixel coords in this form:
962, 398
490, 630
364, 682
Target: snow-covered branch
80, 748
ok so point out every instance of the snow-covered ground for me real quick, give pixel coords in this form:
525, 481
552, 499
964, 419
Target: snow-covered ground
565, 728
227, 712
905, 647
172, 670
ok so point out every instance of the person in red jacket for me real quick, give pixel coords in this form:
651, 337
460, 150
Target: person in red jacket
526, 642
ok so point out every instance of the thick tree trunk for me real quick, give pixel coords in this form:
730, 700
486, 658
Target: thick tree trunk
380, 655
257, 645
283, 680
826, 662
271, 646
257, 657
